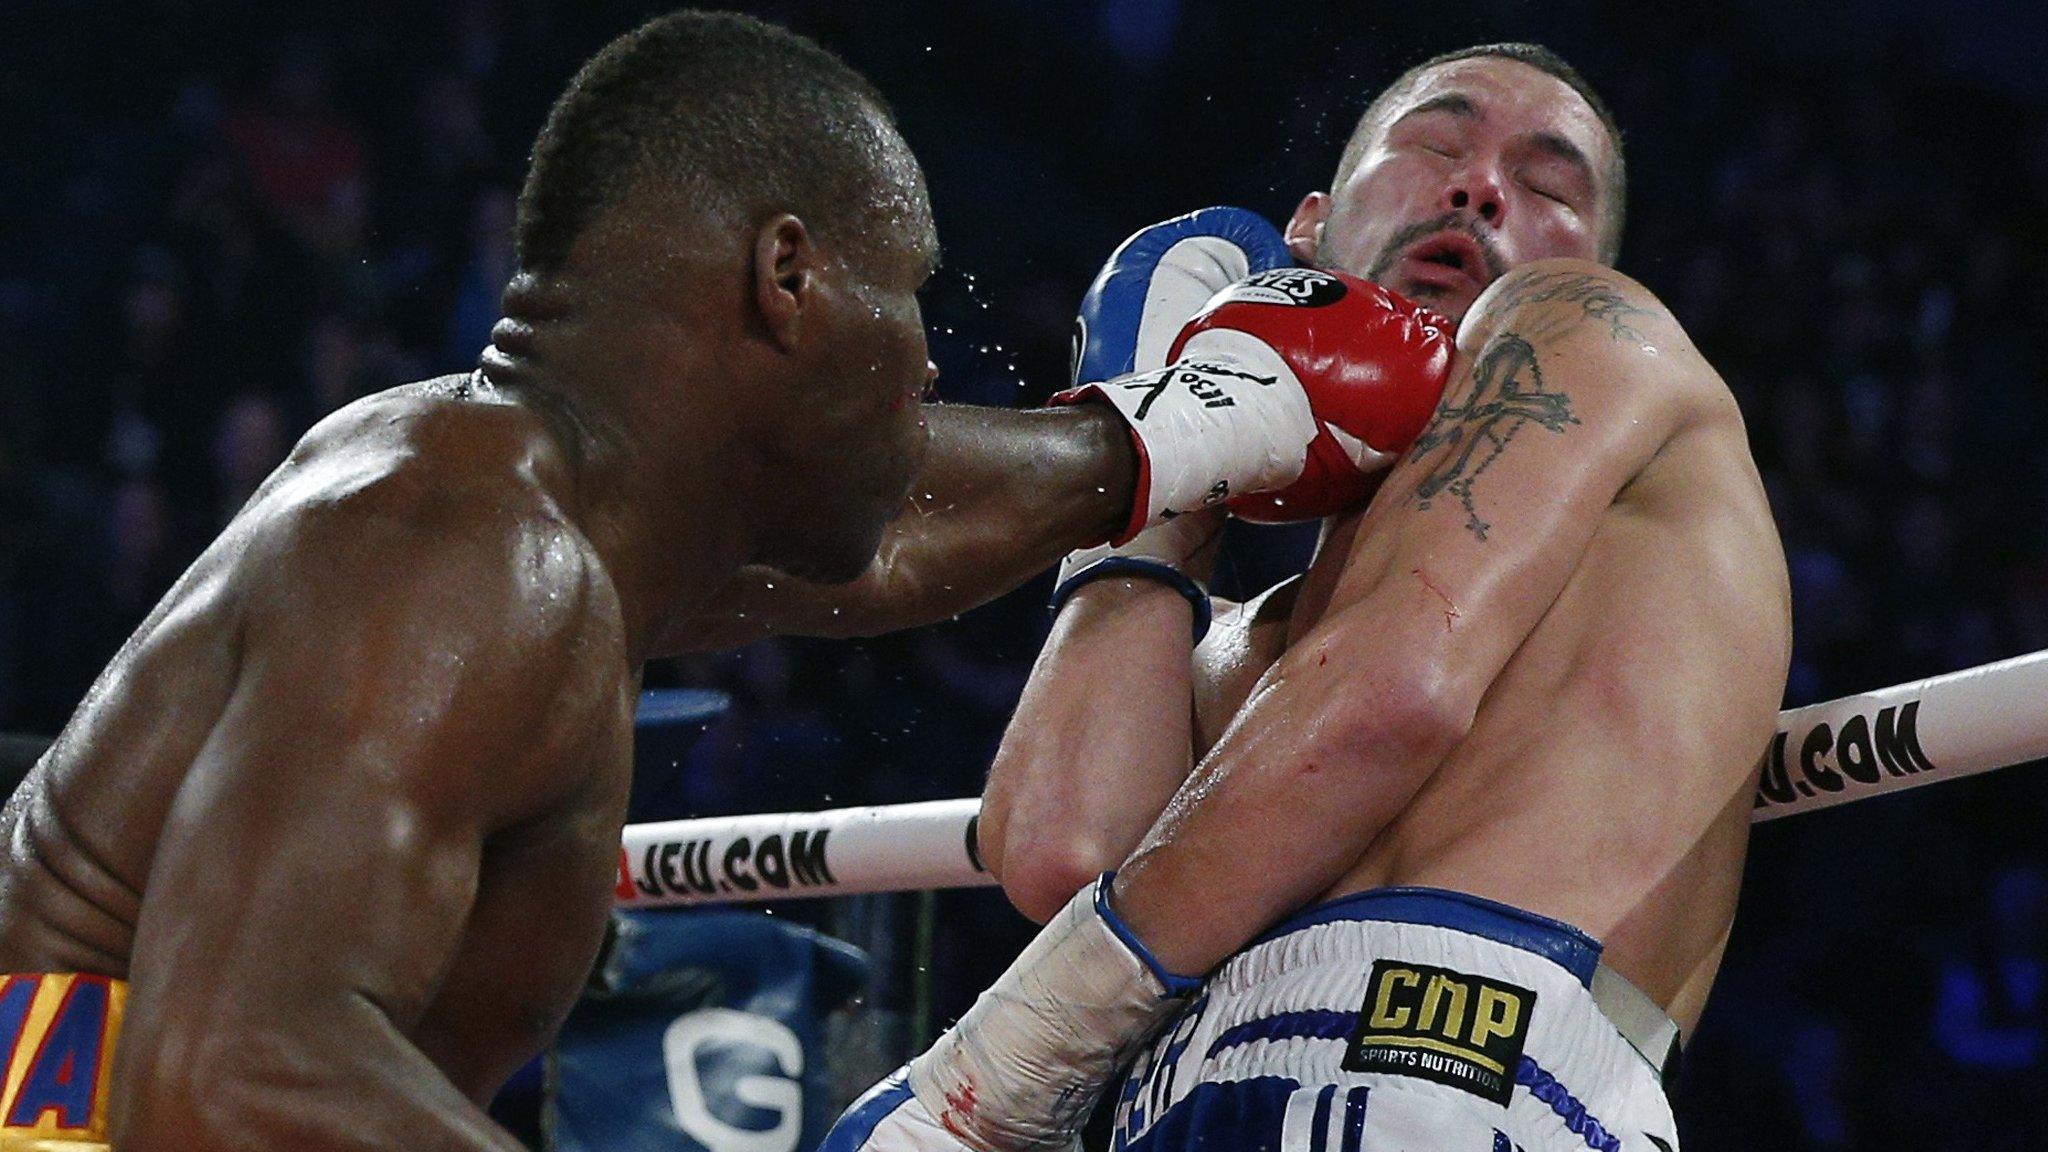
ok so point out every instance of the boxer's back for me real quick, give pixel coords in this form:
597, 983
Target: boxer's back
86, 828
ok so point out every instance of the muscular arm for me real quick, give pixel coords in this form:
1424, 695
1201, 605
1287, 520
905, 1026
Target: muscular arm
1101, 739
1004, 493
1571, 379
405, 677
1118, 705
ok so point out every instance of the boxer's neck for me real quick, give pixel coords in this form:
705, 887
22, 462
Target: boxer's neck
638, 403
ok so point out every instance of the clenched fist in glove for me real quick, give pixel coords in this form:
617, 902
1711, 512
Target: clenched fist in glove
1130, 318
1285, 397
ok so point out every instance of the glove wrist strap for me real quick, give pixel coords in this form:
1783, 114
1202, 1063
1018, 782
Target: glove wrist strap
1140, 566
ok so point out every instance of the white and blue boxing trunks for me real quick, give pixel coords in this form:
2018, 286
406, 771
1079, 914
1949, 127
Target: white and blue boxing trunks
1408, 1020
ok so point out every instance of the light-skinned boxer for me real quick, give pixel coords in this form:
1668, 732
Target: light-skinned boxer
1437, 847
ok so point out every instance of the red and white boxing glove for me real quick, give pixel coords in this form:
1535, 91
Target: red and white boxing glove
1372, 362
1286, 396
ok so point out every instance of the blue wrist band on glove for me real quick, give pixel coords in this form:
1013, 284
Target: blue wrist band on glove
1166, 574
1175, 985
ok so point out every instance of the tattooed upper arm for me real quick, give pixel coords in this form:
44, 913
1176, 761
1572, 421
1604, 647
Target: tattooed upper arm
1569, 381
1537, 347
1549, 301
1473, 428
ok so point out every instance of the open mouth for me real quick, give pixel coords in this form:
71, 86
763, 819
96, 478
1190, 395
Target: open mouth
1454, 251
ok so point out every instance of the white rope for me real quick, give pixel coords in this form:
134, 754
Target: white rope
730, 859
1896, 738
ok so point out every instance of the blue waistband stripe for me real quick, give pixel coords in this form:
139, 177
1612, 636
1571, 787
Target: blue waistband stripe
1354, 1119
1569, 948
1546, 1088
1319, 1126
1311, 1024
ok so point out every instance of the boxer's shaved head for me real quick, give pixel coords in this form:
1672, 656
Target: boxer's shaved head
1615, 176
729, 118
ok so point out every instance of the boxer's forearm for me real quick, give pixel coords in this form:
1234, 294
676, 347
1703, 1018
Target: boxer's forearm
1099, 742
1003, 495
1331, 745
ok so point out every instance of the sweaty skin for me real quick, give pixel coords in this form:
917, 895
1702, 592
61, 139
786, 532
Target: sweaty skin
1538, 667
367, 761
345, 810
1602, 774
370, 757
1002, 495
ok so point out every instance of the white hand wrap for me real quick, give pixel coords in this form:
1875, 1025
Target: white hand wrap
1022, 1068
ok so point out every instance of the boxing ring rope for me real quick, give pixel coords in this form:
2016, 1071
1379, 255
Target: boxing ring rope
1942, 728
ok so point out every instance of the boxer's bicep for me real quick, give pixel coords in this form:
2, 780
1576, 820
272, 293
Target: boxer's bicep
1003, 494
318, 864
1570, 382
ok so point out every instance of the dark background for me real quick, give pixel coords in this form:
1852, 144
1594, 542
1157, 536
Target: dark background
220, 221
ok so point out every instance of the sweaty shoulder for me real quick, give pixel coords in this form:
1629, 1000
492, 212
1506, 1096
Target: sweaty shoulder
434, 471
429, 534
1630, 354
448, 434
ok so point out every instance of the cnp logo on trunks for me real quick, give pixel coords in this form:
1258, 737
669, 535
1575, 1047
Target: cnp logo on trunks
1451, 1027
1300, 287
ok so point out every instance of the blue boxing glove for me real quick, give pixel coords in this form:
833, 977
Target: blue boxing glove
1154, 283
1158, 279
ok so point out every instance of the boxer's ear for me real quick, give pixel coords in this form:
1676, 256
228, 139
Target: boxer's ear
785, 268
1305, 227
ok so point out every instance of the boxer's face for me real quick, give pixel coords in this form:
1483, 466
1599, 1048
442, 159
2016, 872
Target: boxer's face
1481, 165
865, 435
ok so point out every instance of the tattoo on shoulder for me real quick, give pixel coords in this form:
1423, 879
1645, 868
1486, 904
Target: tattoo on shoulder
1468, 434
1598, 298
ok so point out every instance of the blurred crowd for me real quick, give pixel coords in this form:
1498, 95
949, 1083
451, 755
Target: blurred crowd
219, 222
